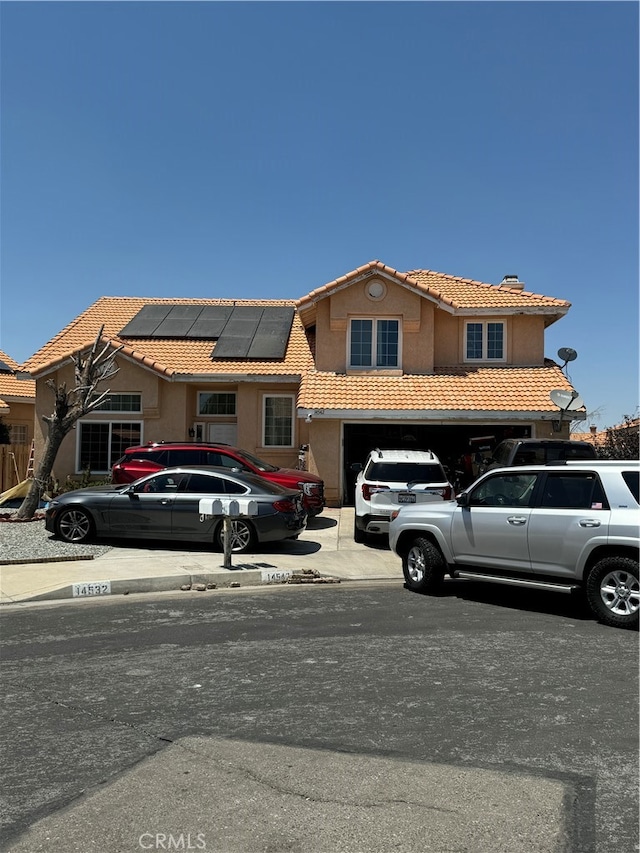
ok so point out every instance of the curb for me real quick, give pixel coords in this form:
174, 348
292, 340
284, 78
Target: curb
200, 582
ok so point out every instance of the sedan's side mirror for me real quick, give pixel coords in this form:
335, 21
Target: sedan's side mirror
463, 499
131, 491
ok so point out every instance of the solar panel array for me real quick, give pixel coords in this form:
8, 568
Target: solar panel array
240, 331
4, 368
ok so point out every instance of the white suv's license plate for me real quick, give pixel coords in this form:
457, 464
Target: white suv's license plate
406, 497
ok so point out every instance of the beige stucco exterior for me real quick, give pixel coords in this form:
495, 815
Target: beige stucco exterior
337, 410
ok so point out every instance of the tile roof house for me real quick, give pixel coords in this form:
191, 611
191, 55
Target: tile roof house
17, 410
17, 401
375, 358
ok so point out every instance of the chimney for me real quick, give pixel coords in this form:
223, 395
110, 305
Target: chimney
594, 429
513, 282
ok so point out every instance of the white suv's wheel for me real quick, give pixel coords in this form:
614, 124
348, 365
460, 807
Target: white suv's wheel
613, 591
423, 566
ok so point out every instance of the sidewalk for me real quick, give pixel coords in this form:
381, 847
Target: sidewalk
326, 547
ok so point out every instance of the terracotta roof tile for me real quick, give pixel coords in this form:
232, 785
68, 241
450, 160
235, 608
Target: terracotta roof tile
167, 357
12, 387
508, 389
460, 293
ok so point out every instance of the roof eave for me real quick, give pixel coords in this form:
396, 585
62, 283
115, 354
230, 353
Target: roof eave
433, 415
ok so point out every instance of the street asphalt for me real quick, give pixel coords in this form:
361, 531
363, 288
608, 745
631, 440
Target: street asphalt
325, 551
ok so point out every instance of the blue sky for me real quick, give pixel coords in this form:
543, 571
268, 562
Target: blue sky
264, 149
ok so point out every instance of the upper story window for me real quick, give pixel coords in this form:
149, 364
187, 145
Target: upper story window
374, 342
484, 341
214, 403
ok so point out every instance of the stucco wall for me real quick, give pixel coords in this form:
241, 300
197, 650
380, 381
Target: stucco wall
414, 312
21, 414
326, 458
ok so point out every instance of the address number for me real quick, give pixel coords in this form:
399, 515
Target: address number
93, 588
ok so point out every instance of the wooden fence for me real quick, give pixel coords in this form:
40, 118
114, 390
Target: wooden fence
14, 459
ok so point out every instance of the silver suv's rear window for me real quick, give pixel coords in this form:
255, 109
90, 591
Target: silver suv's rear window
632, 479
405, 472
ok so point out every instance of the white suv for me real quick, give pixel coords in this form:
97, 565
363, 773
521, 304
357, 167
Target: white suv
562, 527
393, 478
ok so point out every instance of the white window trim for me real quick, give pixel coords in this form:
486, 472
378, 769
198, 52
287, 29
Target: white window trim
484, 359
374, 344
266, 397
93, 422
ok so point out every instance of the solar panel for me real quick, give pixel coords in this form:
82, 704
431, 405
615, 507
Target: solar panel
178, 321
240, 331
211, 322
146, 321
272, 334
4, 368
236, 337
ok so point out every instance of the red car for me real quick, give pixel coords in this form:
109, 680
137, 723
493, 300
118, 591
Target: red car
138, 461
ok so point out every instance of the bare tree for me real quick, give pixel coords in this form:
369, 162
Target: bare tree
622, 441
91, 369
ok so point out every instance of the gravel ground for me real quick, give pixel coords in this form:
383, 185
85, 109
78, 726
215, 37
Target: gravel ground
29, 542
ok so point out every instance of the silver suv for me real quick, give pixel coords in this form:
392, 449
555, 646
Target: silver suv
563, 526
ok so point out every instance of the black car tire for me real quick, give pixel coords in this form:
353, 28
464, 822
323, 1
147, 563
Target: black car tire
423, 566
75, 525
243, 536
359, 536
613, 591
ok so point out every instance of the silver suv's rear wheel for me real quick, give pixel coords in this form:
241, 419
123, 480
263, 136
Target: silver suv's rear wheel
423, 566
613, 591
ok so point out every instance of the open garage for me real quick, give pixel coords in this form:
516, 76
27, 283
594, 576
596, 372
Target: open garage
450, 442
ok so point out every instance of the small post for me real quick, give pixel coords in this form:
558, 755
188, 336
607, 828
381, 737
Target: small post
227, 542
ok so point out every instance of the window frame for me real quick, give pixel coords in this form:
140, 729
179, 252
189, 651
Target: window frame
94, 422
484, 324
131, 394
374, 320
201, 414
271, 396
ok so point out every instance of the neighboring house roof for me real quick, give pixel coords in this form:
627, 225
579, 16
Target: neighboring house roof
449, 389
452, 293
599, 437
12, 389
171, 358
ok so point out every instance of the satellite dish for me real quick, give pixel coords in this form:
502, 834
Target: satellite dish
568, 401
567, 354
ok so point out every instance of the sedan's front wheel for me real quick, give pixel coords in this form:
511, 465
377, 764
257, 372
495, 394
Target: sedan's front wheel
423, 566
241, 534
613, 591
75, 525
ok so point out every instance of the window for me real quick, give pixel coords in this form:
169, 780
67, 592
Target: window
278, 421
102, 443
18, 434
509, 490
573, 491
484, 342
204, 484
214, 403
374, 343
120, 403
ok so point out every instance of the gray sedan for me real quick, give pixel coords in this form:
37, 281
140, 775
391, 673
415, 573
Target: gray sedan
177, 504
